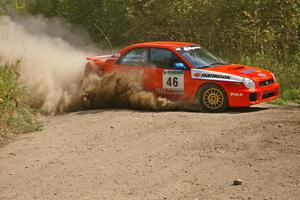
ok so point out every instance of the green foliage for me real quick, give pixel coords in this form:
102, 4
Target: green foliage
292, 94
236, 27
8, 6
288, 95
264, 33
5, 5
16, 116
279, 101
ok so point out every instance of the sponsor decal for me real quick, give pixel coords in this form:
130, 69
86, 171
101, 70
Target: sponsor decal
173, 72
173, 91
214, 75
191, 48
173, 81
206, 75
197, 74
262, 75
236, 94
248, 71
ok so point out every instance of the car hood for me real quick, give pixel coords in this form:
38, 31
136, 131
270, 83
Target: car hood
232, 73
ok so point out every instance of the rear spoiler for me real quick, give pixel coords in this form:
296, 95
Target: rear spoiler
116, 55
99, 57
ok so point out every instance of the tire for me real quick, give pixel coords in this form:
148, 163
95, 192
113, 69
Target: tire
212, 98
88, 101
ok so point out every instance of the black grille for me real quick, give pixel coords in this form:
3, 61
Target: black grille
268, 95
253, 96
266, 83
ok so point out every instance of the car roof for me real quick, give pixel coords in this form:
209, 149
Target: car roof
162, 44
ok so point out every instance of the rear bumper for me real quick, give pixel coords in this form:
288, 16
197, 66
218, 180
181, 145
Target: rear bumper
248, 97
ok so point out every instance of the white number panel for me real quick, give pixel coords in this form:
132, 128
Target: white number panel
173, 81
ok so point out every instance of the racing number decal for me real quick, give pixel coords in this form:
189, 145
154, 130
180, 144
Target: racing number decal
173, 81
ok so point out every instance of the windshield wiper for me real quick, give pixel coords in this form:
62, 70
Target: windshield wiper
211, 65
218, 63
205, 66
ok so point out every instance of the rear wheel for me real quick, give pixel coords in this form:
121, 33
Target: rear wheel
88, 96
88, 101
212, 98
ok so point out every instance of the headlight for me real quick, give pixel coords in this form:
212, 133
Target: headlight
249, 83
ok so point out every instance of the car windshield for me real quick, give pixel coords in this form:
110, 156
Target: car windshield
199, 57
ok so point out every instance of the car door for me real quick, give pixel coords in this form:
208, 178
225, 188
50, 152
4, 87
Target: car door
171, 78
138, 59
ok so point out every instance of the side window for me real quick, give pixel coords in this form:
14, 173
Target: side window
163, 58
135, 57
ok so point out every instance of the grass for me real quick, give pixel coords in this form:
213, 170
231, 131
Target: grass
16, 115
287, 96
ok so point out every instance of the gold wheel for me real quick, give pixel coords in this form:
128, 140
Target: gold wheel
213, 98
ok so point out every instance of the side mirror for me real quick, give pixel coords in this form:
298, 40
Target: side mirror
179, 66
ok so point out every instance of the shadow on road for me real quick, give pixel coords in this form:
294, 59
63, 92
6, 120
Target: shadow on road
229, 111
246, 110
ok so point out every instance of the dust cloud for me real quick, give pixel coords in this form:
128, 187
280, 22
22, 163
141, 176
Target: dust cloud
124, 90
52, 58
50, 66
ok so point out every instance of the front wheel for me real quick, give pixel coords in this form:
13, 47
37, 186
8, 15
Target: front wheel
212, 98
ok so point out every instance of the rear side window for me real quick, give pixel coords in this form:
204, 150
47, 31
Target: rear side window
135, 57
163, 58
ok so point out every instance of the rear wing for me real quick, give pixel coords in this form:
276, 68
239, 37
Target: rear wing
94, 58
99, 57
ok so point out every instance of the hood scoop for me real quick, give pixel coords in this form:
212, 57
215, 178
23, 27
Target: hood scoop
239, 67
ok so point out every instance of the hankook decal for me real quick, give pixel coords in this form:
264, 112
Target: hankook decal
220, 76
213, 75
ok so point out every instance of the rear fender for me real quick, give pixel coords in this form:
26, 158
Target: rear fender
93, 68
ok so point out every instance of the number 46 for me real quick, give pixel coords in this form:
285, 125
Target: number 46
172, 81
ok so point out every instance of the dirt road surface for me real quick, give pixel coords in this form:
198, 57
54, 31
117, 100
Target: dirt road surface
125, 154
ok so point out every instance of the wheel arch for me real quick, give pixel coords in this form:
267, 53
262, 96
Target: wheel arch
208, 83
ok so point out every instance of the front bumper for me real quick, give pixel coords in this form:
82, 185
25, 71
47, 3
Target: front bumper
248, 97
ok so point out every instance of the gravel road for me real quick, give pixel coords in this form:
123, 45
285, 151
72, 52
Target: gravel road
125, 154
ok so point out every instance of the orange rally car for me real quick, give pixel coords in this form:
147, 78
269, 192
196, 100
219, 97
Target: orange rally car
187, 72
